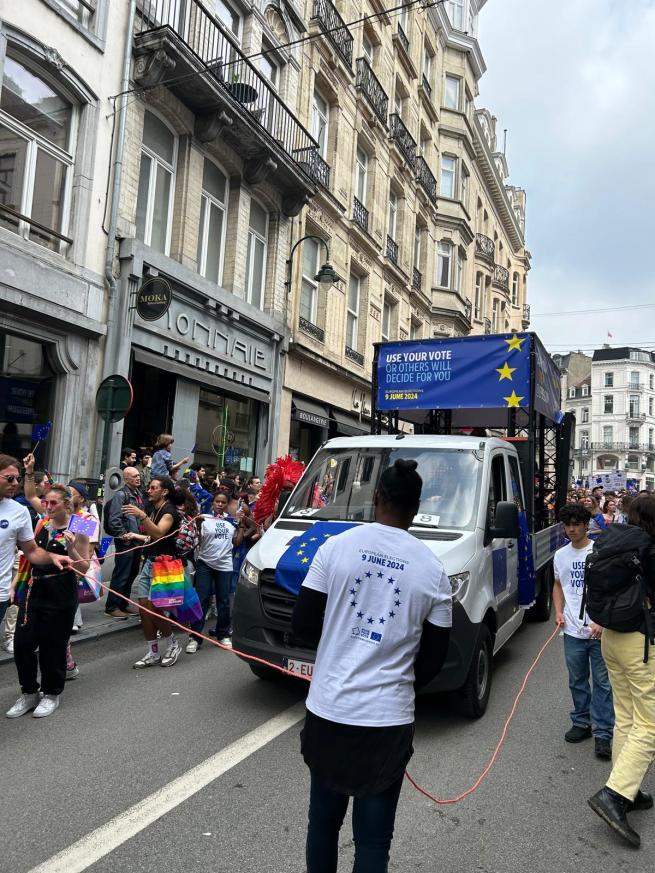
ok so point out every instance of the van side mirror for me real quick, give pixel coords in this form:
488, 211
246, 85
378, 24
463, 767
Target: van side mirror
507, 521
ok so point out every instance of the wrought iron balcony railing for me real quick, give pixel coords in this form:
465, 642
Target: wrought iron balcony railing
607, 446
526, 312
427, 87
403, 39
335, 28
634, 415
367, 82
312, 329
635, 386
314, 165
425, 178
360, 214
403, 139
501, 276
355, 356
484, 246
392, 250
417, 279
487, 325
214, 48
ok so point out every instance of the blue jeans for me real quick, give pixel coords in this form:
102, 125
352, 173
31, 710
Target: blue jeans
207, 582
591, 706
373, 821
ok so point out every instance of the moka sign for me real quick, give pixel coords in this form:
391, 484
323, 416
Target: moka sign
153, 298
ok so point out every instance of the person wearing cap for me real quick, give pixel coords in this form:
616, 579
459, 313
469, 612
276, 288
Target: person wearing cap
203, 497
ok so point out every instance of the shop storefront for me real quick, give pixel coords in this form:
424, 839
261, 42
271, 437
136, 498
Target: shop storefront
310, 422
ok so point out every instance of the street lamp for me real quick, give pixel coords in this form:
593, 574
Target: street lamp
327, 275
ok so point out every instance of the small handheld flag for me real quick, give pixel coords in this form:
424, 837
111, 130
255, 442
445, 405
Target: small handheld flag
40, 432
82, 524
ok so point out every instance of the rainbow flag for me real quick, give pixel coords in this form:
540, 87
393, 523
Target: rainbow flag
24, 572
167, 587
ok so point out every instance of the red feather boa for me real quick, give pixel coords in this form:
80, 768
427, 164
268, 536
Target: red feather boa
283, 473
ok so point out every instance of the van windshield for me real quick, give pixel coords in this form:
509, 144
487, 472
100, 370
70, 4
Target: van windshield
339, 485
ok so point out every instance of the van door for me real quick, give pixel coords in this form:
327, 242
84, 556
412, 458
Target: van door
504, 553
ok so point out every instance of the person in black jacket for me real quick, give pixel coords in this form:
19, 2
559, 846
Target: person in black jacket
378, 602
126, 563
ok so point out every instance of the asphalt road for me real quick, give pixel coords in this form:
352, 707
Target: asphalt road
121, 735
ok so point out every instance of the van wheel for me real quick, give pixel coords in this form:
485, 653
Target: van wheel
544, 603
477, 688
262, 672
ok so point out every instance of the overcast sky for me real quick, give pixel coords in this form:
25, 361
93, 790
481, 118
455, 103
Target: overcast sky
573, 81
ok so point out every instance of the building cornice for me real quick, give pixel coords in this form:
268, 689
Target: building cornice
458, 40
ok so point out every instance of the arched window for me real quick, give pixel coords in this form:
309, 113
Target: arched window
256, 254
37, 132
211, 231
154, 205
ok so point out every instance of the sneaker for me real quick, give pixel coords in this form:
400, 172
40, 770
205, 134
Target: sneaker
72, 672
603, 748
226, 642
173, 652
148, 660
49, 702
24, 704
191, 646
577, 733
9, 646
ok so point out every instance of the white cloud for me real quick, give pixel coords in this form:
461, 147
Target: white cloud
574, 83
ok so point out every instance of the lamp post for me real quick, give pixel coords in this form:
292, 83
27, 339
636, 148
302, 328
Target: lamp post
327, 275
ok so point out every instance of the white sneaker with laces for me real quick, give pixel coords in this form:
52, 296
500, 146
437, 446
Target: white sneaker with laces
191, 646
148, 660
9, 646
24, 704
49, 702
226, 641
173, 652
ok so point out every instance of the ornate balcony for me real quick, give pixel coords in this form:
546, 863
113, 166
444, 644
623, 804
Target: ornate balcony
360, 214
355, 356
417, 280
425, 178
635, 386
403, 39
501, 277
526, 314
392, 250
633, 415
189, 51
484, 247
607, 446
403, 139
314, 165
312, 329
487, 325
335, 28
367, 82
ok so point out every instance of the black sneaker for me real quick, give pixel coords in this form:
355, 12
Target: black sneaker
642, 800
578, 733
603, 748
611, 807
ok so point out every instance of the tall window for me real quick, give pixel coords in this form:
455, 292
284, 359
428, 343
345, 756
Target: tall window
608, 406
464, 187
444, 261
634, 405
451, 92
386, 320
256, 254
361, 173
584, 439
459, 272
650, 437
650, 405
633, 437
367, 49
448, 168
609, 380
427, 65
418, 234
477, 303
270, 71
37, 131
393, 214
515, 289
352, 317
494, 317
211, 231
456, 13
228, 16
154, 205
416, 330
309, 287
585, 415
608, 436
320, 120
634, 379
651, 381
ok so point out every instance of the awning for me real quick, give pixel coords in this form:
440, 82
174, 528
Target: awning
195, 374
348, 425
309, 412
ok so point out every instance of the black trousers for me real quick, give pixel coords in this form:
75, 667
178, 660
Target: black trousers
48, 631
126, 568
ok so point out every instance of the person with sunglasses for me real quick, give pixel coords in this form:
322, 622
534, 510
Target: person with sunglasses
47, 606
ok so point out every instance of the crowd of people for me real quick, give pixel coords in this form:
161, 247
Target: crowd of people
50, 530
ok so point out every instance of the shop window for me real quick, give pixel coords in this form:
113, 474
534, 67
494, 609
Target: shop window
256, 254
154, 205
309, 287
226, 434
37, 131
26, 395
211, 231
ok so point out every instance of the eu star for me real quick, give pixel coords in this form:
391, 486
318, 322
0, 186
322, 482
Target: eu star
380, 575
514, 344
505, 371
513, 400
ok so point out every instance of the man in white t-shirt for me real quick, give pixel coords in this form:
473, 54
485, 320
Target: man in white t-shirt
16, 532
593, 709
379, 602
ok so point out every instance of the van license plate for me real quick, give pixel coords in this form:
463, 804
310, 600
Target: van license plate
299, 668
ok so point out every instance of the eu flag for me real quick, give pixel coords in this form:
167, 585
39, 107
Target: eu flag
296, 561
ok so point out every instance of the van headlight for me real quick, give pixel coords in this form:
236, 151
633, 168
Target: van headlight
459, 583
249, 576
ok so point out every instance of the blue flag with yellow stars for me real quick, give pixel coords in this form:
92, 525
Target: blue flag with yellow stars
296, 561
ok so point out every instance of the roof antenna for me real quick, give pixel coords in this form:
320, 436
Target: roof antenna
505, 142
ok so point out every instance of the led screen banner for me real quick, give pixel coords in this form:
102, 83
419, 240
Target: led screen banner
474, 372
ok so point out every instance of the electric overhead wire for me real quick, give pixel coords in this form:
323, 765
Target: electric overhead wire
592, 310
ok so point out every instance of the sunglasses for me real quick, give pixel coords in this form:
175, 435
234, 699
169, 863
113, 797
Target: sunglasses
11, 479
52, 502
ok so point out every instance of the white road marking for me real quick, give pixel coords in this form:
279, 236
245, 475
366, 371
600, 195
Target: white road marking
103, 840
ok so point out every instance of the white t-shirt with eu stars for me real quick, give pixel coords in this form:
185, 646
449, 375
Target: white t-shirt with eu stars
381, 585
15, 527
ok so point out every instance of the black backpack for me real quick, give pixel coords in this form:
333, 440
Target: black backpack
616, 594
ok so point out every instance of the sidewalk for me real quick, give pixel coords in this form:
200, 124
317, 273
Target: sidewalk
96, 624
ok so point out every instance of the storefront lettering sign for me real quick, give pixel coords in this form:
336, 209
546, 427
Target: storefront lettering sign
153, 299
238, 349
311, 418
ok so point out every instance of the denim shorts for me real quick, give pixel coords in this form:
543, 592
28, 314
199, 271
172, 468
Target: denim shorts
143, 581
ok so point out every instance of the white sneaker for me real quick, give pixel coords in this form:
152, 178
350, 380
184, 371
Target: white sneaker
148, 660
49, 702
173, 652
9, 646
73, 673
24, 704
191, 646
226, 642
